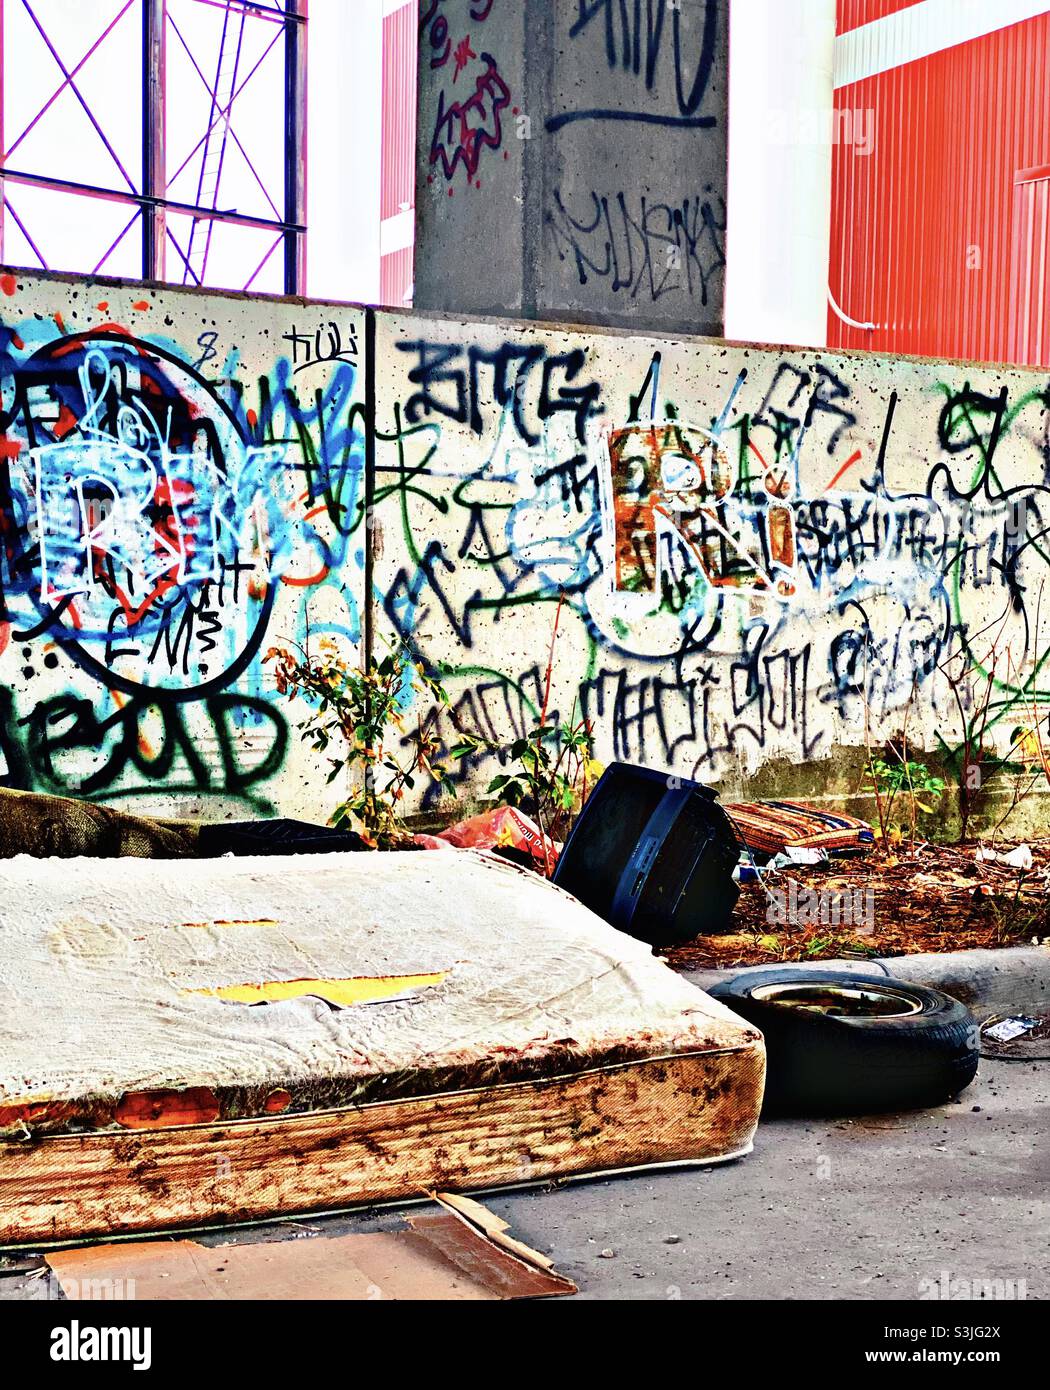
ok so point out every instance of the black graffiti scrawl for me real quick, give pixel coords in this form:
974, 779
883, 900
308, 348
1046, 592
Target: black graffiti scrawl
579, 150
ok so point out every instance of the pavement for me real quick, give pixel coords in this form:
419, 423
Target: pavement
842, 1209
934, 1203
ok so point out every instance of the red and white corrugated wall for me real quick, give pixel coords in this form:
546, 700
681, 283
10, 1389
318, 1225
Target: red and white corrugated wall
939, 229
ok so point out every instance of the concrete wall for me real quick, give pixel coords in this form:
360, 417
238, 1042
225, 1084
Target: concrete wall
794, 548
572, 160
181, 483
759, 549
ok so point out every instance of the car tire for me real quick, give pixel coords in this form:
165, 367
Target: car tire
885, 1045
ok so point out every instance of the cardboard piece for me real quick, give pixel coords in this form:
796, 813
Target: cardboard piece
456, 1252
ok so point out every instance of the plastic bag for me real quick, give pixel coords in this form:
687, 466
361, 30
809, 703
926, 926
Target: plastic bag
501, 828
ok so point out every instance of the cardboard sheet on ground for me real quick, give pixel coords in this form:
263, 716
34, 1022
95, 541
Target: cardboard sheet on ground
455, 1251
226, 1039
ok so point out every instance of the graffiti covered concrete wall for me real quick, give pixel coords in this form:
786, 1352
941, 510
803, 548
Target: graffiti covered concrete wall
767, 555
181, 483
572, 160
758, 556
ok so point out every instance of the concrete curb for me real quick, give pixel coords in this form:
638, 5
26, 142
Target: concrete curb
1015, 979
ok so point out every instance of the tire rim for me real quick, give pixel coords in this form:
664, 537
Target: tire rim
839, 1001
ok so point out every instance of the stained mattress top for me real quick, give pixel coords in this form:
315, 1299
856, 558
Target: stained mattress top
330, 979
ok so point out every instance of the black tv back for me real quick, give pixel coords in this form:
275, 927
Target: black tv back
653, 855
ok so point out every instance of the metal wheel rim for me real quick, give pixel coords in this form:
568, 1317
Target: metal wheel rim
839, 1000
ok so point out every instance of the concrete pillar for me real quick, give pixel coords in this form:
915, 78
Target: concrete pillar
572, 160
781, 97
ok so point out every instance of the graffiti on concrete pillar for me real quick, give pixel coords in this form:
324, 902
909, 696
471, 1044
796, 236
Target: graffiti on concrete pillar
473, 98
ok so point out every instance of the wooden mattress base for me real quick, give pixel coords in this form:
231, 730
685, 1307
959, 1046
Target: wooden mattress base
690, 1107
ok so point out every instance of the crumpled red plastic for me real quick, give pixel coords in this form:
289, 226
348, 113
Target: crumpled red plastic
502, 827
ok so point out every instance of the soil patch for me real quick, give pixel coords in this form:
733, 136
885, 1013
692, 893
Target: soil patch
885, 903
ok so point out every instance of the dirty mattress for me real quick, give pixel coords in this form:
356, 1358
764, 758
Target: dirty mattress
206, 1041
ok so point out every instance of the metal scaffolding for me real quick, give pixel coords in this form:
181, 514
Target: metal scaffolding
225, 77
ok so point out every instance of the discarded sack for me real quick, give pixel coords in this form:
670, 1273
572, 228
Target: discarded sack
66, 827
276, 836
839, 1043
63, 827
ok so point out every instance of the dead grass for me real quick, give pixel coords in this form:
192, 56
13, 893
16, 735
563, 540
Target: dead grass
926, 898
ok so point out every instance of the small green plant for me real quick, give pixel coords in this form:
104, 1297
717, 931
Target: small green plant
550, 773
551, 767
902, 776
836, 944
550, 764
354, 716
974, 683
911, 777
